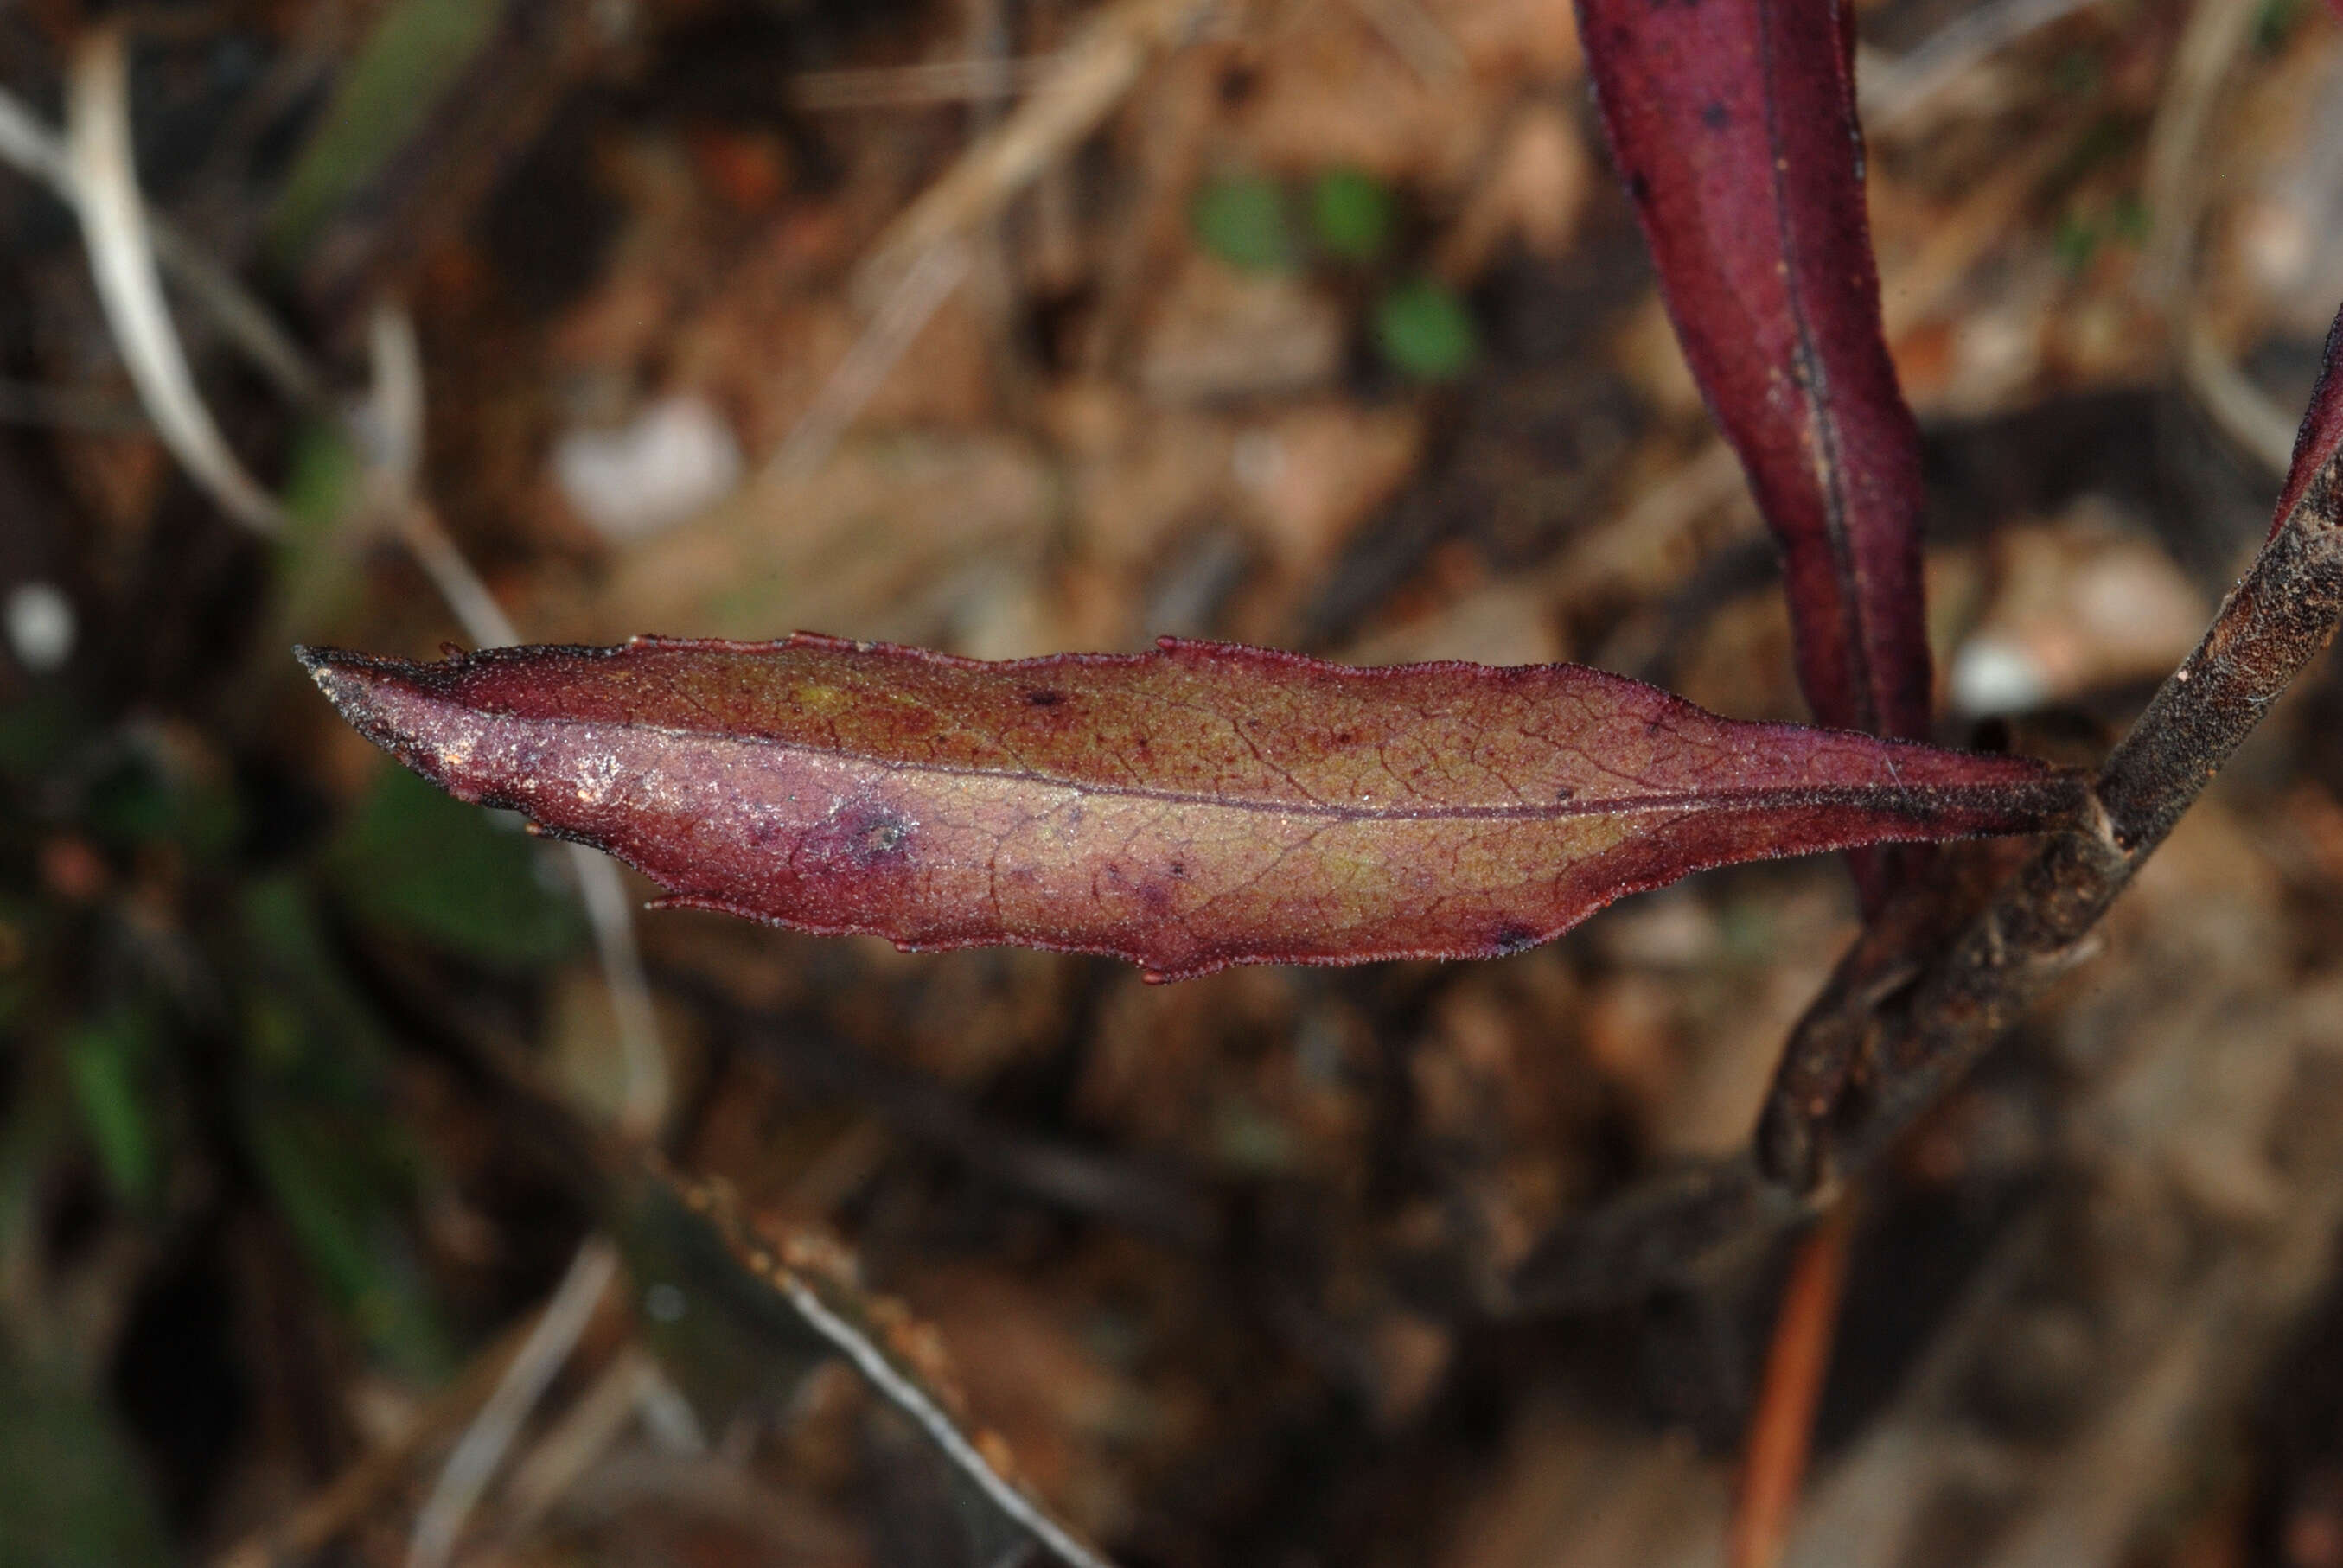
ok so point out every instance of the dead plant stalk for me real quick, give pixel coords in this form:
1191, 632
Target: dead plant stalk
1921, 1038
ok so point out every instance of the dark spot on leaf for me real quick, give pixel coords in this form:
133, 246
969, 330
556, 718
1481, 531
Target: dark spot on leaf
1044, 698
1180, 869
1717, 116
1639, 189
1511, 939
1567, 792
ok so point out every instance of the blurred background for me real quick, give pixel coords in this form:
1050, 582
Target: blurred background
1012, 326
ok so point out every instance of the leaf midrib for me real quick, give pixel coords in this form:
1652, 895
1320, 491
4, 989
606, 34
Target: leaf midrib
1916, 798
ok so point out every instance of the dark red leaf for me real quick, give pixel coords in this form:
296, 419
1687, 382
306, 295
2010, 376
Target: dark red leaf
2321, 432
1733, 124
1196, 807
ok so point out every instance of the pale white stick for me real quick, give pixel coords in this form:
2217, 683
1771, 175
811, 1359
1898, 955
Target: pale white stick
1888, 89
911, 304
397, 428
1094, 71
39, 152
122, 262
473, 1462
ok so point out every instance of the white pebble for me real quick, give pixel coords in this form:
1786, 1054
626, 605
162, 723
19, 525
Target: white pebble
676, 458
1991, 676
41, 626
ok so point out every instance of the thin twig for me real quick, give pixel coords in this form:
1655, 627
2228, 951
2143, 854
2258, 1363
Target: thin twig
1416, 37
972, 81
2174, 189
122, 261
312, 1526
911, 304
2238, 407
1095, 71
643, 1100
2173, 181
1914, 1017
610, 911
859, 1329
1964, 995
35, 150
1891, 88
596, 1421
395, 425
1774, 1455
474, 1461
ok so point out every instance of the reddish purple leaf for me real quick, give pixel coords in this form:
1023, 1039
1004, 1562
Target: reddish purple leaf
1196, 807
2321, 432
1733, 124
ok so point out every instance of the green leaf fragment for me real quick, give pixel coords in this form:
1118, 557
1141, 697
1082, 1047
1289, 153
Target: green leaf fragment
71, 1493
107, 1060
415, 862
1243, 219
1424, 330
341, 1176
417, 51
1352, 214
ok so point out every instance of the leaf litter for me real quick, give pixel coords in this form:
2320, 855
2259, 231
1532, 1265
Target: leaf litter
1372, 1132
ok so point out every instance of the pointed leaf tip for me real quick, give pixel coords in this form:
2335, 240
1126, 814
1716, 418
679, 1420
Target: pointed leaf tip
1195, 807
2319, 438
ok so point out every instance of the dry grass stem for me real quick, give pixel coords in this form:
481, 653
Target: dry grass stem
316, 1522
395, 425
480, 1452
36, 151
910, 304
1890, 88
912, 87
2173, 182
122, 261
594, 1422
2240, 410
1095, 72
1416, 37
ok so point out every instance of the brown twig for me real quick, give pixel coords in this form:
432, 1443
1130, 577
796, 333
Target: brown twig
969, 81
1094, 71
1774, 1455
316, 1522
472, 1464
2272, 623
1903, 1019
